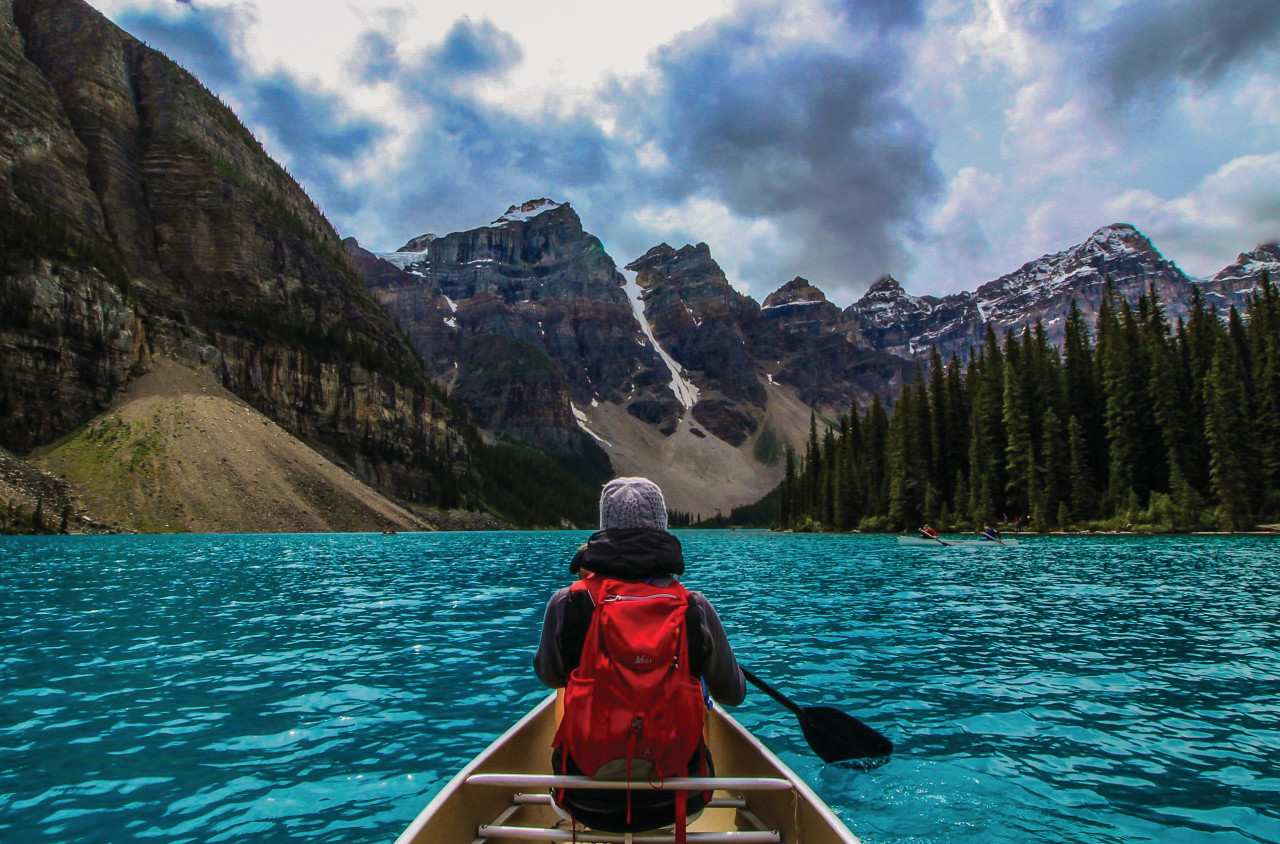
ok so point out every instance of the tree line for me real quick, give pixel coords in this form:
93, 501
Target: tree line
1135, 423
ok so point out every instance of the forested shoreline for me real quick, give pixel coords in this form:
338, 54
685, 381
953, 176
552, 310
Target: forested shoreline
1135, 423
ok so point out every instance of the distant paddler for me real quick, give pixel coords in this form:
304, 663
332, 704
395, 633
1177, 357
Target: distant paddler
927, 532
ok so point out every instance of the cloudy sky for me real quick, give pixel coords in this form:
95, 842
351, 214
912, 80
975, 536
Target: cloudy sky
946, 142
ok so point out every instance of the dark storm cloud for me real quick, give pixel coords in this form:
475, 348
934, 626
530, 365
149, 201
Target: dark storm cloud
886, 14
470, 160
475, 49
313, 129
201, 40
308, 122
1146, 46
817, 141
374, 58
811, 137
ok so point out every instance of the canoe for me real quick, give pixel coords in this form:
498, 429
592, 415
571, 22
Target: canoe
504, 795
1004, 542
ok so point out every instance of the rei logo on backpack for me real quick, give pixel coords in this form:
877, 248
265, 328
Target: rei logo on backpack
632, 709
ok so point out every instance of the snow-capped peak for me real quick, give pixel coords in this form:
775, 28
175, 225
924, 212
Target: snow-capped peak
1117, 237
1251, 265
885, 288
527, 211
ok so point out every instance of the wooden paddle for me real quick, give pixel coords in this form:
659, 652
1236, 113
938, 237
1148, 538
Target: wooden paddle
833, 735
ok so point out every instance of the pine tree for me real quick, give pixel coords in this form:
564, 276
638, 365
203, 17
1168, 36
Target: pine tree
902, 510
829, 466
1055, 487
939, 476
787, 492
1128, 406
1231, 461
956, 446
1083, 495
1018, 452
1264, 336
1083, 391
875, 436
987, 480
1198, 342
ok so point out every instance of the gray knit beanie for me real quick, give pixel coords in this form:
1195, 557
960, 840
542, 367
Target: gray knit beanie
632, 503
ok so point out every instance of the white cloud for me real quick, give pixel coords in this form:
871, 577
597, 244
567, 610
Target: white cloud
734, 241
757, 144
1231, 210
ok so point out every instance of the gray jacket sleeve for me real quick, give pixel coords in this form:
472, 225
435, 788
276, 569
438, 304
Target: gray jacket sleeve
722, 674
547, 662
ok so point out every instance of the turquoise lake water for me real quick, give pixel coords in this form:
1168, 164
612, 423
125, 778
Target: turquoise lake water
324, 687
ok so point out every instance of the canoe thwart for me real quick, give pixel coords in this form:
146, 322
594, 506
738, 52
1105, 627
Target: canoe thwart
586, 836
717, 802
550, 781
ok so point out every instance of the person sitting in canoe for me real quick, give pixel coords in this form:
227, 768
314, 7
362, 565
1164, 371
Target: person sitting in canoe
990, 533
636, 655
928, 532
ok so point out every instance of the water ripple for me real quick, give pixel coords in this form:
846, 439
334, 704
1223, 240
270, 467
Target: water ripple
323, 687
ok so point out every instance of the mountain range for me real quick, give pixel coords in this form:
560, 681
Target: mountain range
540, 334
141, 224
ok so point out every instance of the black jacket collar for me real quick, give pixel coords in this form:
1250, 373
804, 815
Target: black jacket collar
630, 554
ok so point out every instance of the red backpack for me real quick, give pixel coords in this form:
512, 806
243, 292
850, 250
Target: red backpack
632, 709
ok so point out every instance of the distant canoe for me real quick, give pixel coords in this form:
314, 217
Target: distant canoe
504, 795
962, 543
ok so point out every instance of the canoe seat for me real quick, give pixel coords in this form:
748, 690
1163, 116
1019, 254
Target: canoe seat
541, 785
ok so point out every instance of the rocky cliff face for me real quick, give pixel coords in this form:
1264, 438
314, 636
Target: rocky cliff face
697, 316
537, 279
168, 230
1245, 273
802, 340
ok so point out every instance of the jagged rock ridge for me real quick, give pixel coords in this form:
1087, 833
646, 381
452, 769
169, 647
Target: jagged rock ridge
1040, 290
535, 278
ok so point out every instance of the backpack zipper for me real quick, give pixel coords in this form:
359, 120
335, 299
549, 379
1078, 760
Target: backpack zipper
611, 597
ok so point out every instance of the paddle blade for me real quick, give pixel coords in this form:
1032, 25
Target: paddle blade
838, 737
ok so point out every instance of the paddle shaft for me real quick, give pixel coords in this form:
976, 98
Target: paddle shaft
771, 691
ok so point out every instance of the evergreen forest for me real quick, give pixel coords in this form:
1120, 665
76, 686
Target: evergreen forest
1134, 423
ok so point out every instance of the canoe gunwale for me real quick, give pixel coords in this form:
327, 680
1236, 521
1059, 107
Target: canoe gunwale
760, 772
445, 794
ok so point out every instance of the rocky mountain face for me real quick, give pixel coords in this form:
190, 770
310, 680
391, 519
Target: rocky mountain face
531, 326
1042, 290
140, 218
697, 317
523, 320
801, 339
1245, 273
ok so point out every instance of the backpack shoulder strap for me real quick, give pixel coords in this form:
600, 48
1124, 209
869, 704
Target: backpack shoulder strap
578, 611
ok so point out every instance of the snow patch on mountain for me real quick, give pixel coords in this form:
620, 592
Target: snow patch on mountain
584, 424
525, 212
403, 260
1250, 266
795, 304
685, 392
